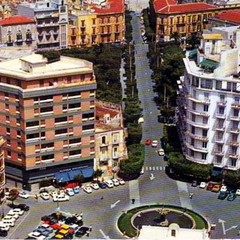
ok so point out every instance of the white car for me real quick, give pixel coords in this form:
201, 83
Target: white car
23, 195
95, 186
109, 183
121, 181
115, 182
36, 235
4, 227
203, 185
238, 192
161, 152
154, 143
45, 196
87, 189
70, 192
18, 211
60, 197
12, 214
223, 188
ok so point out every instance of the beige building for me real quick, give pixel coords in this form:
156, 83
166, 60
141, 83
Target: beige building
110, 136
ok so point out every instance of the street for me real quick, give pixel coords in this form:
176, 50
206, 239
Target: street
102, 208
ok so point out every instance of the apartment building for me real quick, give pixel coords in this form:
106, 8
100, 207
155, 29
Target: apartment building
96, 21
47, 118
169, 17
18, 31
209, 100
110, 137
51, 18
2, 172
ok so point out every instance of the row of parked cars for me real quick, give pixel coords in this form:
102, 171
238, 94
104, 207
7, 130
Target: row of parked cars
11, 217
59, 225
110, 183
223, 190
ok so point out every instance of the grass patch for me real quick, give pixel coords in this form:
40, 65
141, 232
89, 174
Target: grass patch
125, 226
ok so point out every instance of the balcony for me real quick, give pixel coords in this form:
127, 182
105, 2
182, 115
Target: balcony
221, 103
197, 148
233, 129
218, 152
236, 105
204, 100
235, 118
197, 137
199, 112
234, 143
232, 154
219, 140
220, 115
193, 159
198, 124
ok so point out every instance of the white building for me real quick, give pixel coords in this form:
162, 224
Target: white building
173, 232
209, 101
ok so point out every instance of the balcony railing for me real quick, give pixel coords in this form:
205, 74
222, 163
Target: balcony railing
220, 115
197, 137
233, 155
236, 105
198, 124
233, 129
218, 152
197, 148
221, 103
199, 112
204, 100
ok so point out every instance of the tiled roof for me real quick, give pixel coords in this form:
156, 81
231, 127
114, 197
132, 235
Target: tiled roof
101, 111
15, 20
113, 6
231, 16
169, 6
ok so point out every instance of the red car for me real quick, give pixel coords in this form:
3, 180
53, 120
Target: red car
148, 142
210, 186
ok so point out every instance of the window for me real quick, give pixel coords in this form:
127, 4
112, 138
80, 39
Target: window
48, 157
48, 145
206, 95
205, 108
204, 120
221, 110
193, 105
18, 132
193, 117
45, 98
88, 127
74, 94
8, 130
104, 140
60, 119
219, 136
32, 124
74, 152
192, 142
173, 233
191, 153
222, 98
7, 106
204, 133
206, 83
193, 130
76, 140
233, 162
32, 135
74, 105
204, 144
219, 159
61, 131
88, 115
235, 112
7, 118
46, 109
204, 156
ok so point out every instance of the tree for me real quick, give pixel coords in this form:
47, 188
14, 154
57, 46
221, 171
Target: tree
79, 178
13, 194
98, 173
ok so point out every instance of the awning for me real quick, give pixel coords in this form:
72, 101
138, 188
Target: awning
209, 64
217, 171
87, 172
192, 53
74, 173
62, 176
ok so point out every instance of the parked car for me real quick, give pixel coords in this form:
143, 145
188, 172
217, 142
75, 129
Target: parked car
12, 214
22, 206
60, 197
109, 183
76, 189
203, 185
36, 235
45, 196
94, 186
115, 182
23, 195
231, 196
121, 181
70, 192
223, 188
148, 142
81, 231
102, 185
18, 211
210, 186
194, 183
4, 226
222, 195
161, 152
3, 233
238, 192
216, 188
154, 143
87, 189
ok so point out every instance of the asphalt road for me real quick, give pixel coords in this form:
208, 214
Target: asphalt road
154, 186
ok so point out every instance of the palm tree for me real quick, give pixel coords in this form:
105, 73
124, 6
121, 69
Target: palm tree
79, 178
98, 173
13, 194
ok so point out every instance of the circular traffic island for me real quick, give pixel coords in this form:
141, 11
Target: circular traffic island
130, 222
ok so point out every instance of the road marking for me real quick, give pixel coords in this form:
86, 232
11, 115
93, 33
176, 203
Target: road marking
157, 168
150, 168
103, 234
114, 204
183, 195
224, 228
17, 226
153, 168
152, 177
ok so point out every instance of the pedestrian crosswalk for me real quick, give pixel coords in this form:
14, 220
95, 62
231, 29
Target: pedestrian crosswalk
154, 168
